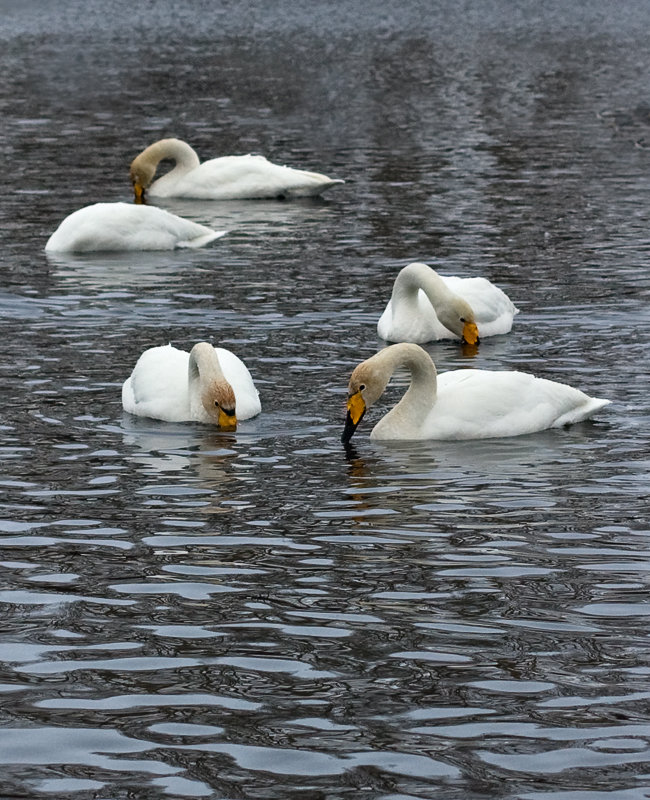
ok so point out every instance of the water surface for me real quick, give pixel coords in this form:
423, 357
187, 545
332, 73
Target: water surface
265, 614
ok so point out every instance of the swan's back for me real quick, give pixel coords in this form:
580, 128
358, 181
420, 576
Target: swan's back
158, 385
241, 177
124, 226
479, 404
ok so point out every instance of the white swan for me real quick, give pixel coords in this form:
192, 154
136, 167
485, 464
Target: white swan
225, 178
425, 306
124, 226
462, 404
208, 384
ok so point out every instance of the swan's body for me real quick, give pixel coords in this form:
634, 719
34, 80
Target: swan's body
425, 306
462, 404
209, 384
225, 178
124, 226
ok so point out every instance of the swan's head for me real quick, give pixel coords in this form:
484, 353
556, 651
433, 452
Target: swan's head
208, 384
142, 173
218, 400
458, 317
366, 386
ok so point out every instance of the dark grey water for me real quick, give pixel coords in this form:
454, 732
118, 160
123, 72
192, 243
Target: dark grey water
263, 615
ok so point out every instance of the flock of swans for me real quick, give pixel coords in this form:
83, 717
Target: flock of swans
212, 385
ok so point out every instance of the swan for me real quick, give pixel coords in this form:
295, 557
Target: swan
208, 384
124, 226
425, 306
225, 178
461, 404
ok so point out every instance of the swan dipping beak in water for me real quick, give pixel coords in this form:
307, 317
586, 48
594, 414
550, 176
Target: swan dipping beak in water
208, 384
425, 306
245, 177
461, 404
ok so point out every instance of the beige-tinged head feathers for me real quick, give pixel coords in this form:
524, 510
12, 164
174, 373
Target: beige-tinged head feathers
366, 385
369, 380
216, 395
458, 316
218, 400
142, 173
144, 165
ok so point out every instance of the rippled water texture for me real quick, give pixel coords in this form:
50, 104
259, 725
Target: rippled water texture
265, 615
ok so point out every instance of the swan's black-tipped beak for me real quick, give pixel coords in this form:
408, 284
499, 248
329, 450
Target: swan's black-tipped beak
227, 419
350, 428
470, 333
356, 410
138, 191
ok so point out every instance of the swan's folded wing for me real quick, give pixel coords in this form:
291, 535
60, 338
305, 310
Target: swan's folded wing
482, 404
493, 309
158, 385
124, 226
249, 176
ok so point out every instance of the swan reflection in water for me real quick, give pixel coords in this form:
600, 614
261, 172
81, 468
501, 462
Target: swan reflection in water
390, 483
214, 462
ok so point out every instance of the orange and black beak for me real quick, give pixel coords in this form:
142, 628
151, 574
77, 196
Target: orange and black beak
356, 410
227, 419
470, 333
138, 190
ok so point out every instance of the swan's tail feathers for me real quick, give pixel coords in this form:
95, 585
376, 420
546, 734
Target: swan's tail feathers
200, 241
332, 182
582, 412
313, 184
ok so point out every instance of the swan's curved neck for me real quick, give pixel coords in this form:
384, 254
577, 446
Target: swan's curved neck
420, 276
452, 310
420, 396
180, 152
203, 365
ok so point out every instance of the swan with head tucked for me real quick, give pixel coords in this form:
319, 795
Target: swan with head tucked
208, 384
124, 226
461, 404
426, 306
226, 178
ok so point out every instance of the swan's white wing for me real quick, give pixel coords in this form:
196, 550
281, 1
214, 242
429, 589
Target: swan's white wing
123, 226
247, 400
241, 177
412, 322
477, 404
493, 309
158, 385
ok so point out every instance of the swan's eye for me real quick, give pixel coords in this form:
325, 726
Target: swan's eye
362, 387
462, 319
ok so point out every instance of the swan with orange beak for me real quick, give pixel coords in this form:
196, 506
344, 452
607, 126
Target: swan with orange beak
208, 384
425, 306
462, 403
